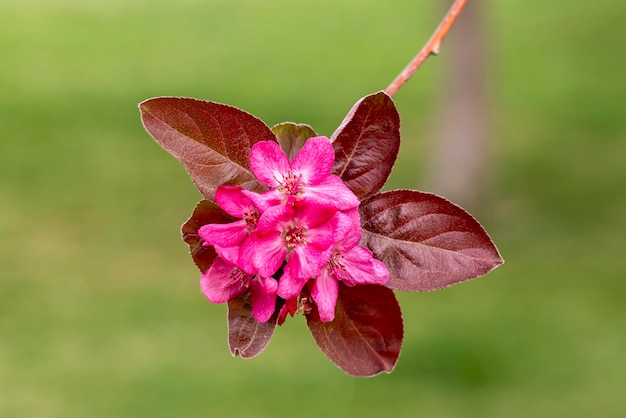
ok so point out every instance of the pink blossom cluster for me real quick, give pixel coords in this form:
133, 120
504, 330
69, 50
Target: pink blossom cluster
297, 240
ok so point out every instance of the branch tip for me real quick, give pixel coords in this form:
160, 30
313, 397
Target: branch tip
432, 47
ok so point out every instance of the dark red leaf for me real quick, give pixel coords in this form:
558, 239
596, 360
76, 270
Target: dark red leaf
292, 136
366, 336
366, 144
204, 213
211, 140
425, 241
247, 337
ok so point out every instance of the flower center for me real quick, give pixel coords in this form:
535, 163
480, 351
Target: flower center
251, 216
294, 235
334, 264
305, 304
291, 184
238, 276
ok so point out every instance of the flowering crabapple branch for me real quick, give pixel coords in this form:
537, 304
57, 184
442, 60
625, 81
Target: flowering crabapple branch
295, 222
431, 47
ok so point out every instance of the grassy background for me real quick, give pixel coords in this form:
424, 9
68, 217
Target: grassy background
100, 311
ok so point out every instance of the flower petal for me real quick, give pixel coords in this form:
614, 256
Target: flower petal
223, 281
315, 160
269, 253
230, 254
361, 268
269, 163
224, 235
332, 192
264, 200
246, 256
324, 293
352, 229
263, 297
306, 261
310, 215
290, 287
275, 218
323, 235
231, 200
381, 273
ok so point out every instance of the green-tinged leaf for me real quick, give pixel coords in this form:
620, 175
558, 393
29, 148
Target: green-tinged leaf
366, 144
292, 136
211, 140
366, 335
425, 241
247, 337
204, 213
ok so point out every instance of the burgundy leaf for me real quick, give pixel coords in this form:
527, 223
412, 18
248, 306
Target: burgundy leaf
204, 213
292, 136
366, 144
247, 337
425, 241
211, 140
366, 336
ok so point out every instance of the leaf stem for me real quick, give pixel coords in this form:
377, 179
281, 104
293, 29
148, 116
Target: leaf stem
431, 47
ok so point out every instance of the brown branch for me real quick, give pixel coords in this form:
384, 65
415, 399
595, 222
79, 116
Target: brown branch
431, 47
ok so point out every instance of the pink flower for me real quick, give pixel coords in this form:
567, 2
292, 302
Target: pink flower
292, 281
224, 281
227, 238
307, 177
349, 263
306, 229
300, 233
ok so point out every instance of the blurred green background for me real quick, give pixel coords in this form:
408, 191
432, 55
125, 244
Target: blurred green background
100, 309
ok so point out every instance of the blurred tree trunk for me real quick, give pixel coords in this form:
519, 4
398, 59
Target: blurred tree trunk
459, 162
